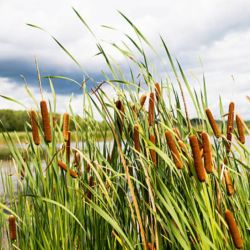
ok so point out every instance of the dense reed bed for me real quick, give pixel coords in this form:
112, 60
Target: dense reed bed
160, 183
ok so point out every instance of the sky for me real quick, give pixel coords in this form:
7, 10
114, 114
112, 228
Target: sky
210, 37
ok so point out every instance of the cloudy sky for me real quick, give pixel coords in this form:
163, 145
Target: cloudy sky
205, 36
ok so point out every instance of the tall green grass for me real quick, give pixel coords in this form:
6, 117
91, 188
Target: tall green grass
121, 199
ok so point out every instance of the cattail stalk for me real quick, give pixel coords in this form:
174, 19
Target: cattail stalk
46, 121
65, 126
142, 100
34, 126
12, 227
152, 151
68, 147
213, 123
120, 119
207, 152
173, 149
151, 109
198, 164
136, 138
63, 166
233, 228
230, 125
157, 91
91, 185
240, 128
229, 184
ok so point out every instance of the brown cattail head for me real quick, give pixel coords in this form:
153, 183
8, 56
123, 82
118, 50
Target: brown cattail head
91, 184
63, 166
207, 152
157, 91
233, 228
46, 122
77, 158
34, 126
68, 147
120, 118
198, 164
151, 109
230, 125
152, 151
240, 128
229, 184
143, 99
136, 138
173, 149
150, 246
213, 123
12, 227
65, 126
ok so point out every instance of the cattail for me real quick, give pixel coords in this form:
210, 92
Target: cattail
233, 228
152, 151
120, 119
91, 184
229, 185
151, 109
65, 126
68, 147
136, 138
240, 128
230, 125
54, 119
150, 246
157, 91
34, 126
63, 166
12, 227
46, 122
142, 100
198, 164
173, 149
77, 158
207, 152
213, 123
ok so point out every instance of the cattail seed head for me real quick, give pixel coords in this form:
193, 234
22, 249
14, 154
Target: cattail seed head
152, 151
12, 227
229, 184
91, 184
34, 126
230, 125
198, 164
150, 246
136, 138
213, 123
46, 121
151, 109
65, 126
233, 228
207, 152
240, 128
173, 149
63, 166
142, 100
120, 118
77, 158
157, 91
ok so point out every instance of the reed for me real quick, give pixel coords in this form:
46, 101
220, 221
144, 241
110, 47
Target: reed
213, 123
240, 128
198, 164
12, 227
34, 127
136, 138
173, 149
46, 122
207, 152
65, 126
151, 109
234, 230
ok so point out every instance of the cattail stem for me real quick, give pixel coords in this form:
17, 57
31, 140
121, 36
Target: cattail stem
12, 227
68, 147
213, 123
198, 164
34, 126
46, 121
136, 138
157, 91
91, 185
65, 126
230, 125
233, 228
151, 109
240, 128
152, 151
120, 119
173, 149
207, 152
63, 166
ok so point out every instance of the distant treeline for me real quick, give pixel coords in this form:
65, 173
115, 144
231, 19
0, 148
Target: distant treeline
12, 120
